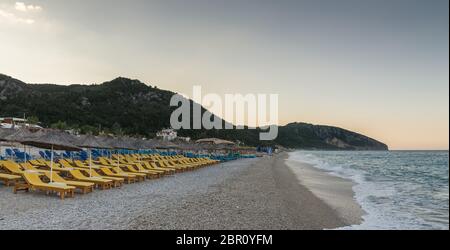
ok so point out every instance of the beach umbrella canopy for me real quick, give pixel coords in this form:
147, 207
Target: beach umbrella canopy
19, 135
119, 143
4, 132
89, 141
139, 143
126, 142
150, 143
105, 141
129, 143
144, 143
54, 140
115, 143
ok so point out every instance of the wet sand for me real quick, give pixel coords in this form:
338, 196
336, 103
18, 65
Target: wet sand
335, 191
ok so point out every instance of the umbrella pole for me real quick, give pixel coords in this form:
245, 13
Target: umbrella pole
90, 163
51, 166
118, 163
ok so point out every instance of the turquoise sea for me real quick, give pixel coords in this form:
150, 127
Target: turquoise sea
397, 189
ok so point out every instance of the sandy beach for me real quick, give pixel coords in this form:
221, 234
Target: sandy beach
260, 193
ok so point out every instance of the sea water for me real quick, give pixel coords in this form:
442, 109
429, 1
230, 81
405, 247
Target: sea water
396, 189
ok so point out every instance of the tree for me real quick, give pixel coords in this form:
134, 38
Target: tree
60, 125
117, 129
33, 119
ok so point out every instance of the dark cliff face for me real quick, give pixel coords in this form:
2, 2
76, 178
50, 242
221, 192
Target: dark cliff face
137, 108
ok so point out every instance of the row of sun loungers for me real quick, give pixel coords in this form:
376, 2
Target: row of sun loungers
103, 173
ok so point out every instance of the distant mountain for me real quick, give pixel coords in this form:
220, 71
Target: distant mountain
132, 107
325, 137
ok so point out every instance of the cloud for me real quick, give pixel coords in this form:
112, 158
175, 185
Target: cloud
11, 17
19, 13
21, 6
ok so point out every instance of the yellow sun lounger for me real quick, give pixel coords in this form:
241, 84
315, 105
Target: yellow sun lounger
128, 177
190, 165
162, 165
148, 173
140, 176
179, 164
29, 167
103, 183
9, 178
34, 182
48, 164
104, 161
93, 173
37, 163
85, 187
11, 167
141, 167
64, 163
166, 164
152, 166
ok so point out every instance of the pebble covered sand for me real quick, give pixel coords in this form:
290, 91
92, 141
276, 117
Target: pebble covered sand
245, 194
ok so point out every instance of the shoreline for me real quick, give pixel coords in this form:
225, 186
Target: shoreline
254, 194
335, 191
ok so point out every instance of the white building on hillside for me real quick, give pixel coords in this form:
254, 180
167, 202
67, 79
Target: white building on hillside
167, 134
13, 122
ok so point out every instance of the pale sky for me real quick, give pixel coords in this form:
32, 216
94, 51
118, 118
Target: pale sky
378, 67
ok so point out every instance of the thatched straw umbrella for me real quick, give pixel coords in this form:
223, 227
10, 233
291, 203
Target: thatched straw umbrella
120, 143
53, 140
4, 132
139, 144
128, 143
150, 144
142, 144
18, 135
136, 144
89, 142
166, 145
106, 142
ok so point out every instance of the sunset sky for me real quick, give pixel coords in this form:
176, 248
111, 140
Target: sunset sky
378, 67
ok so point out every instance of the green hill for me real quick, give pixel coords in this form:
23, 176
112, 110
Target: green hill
125, 106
